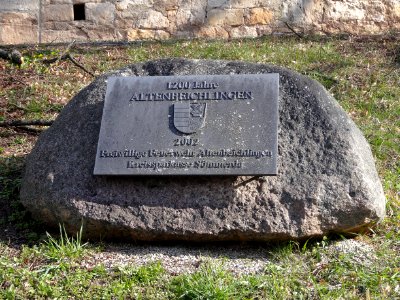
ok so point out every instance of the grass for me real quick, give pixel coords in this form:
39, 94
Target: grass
362, 74
295, 275
65, 247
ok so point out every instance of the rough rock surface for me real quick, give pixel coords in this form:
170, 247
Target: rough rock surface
327, 180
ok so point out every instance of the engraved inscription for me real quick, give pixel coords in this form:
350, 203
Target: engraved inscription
200, 164
192, 96
187, 153
195, 85
189, 117
189, 125
186, 142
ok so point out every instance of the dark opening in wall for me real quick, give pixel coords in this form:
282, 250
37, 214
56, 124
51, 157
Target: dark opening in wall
79, 12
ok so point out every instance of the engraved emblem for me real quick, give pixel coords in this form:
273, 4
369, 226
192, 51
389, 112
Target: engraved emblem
189, 117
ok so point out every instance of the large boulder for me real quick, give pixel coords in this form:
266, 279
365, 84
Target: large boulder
327, 181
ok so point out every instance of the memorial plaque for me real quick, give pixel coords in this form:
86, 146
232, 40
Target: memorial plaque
189, 125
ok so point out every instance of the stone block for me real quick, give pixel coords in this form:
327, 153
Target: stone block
396, 11
18, 18
161, 35
95, 32
243, 3
292, 12
134, 5
344, 10
62, 36
122, 23
153, 20
14, 34
60, 2
19, 5
129, 15
264, 30
87, 33
232, 4
140, 34
18, 28
185, 34
183, 18
243, 32
229, 17
58, 12
165, 5
213, 32
63, 26
186, 18
100, 13
258, 16
218, 3
191, 13
377, 11
147, 34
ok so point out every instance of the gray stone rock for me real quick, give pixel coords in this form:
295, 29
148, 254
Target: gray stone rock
327, 180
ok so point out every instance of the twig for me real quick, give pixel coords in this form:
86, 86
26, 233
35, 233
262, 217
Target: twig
20, 81
66, 55
294, 31
244, 182
29, 129
68, 48
79, 65
69, 57
19, 123
17, 106
55, 59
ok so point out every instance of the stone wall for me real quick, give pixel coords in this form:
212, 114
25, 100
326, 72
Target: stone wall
33, 21
19, 21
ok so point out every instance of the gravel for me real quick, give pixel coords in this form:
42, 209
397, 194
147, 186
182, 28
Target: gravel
360, 252
178, 259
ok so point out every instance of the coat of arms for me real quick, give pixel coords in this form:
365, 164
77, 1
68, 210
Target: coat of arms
189, 117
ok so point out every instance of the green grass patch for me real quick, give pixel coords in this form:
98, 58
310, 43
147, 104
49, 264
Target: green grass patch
64, 247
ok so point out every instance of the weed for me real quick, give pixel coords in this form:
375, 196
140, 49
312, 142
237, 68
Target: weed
210, 282
65, 246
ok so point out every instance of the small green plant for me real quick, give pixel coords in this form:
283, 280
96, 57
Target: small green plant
65, 246
144, 275
210, 282
19, 140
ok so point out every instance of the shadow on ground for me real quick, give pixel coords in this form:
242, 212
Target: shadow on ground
16, 225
